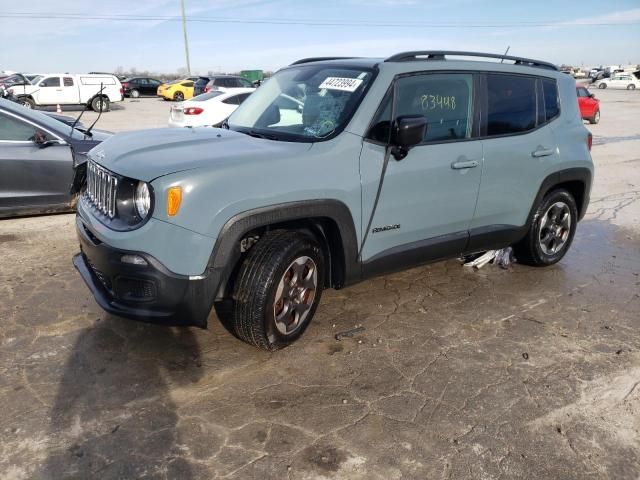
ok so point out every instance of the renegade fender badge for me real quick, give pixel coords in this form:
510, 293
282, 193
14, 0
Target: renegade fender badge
386, 228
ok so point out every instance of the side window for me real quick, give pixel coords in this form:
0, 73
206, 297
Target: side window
550, 92
187, 84
50, 82
242, 97
511, 104
582, 92
14, 130
444, 99
154, 82
68, 81
231, 100
245, 83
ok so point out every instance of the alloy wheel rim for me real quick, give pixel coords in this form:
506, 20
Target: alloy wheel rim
555, 227
295, 295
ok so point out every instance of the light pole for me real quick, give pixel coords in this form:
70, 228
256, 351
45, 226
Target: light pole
186, 41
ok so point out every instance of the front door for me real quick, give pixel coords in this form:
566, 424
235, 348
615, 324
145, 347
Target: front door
32, 176
428, 198
49, 91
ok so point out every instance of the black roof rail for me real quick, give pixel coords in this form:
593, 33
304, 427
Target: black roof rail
319, 59
440, 55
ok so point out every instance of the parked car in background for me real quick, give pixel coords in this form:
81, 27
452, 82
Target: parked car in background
68, 89
38, 154
589, 105
178, 90
387, 165
199, 85
135, 87
209, 109
224, 83
626, 81
14, 80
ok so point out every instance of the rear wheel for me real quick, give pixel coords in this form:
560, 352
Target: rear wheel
551, 231
178, 96
596, 118
100, 103
134, 93
631, 87
602, 86
278, 289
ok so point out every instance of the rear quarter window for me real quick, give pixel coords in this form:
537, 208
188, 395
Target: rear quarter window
550, 93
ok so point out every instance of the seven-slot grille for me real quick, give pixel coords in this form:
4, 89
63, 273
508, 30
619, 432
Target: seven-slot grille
102, 186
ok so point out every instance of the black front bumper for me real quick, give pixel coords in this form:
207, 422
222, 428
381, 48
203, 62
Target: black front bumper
149, 293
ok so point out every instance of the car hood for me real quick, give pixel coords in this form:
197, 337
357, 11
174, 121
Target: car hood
149, 154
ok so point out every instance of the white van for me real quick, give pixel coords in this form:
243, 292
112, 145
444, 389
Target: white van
67, 89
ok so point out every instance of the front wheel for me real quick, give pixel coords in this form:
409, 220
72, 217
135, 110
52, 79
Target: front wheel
631, 87
551, 231
602, 86
27, 102
100, 103
596, 118
278, 289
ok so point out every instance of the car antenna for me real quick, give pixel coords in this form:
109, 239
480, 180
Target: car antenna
88, 131
505, 52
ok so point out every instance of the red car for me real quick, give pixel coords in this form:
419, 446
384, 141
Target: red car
589, 105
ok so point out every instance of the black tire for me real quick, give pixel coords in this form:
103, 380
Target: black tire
602, 86
596, 118
134, 93
531, 249
27, 102
178, 97
95, 104
631, 87
253, 316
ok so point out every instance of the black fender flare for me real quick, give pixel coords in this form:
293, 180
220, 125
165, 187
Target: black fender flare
226, 251
578, 174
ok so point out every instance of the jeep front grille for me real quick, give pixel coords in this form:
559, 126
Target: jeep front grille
101, 190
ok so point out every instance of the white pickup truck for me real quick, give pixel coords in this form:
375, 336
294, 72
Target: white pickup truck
67, 89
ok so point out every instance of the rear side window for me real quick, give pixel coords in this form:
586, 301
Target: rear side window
231, 100
68, 82
550, 92
511, 104
187, 84
583, 92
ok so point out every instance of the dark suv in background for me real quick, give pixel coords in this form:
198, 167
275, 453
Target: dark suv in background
137, 86
224, 82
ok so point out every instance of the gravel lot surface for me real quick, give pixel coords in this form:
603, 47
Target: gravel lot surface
520, 373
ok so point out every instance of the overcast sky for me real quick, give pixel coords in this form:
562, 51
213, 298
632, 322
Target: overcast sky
589, 32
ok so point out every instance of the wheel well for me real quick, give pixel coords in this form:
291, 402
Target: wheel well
576, 189
325, 230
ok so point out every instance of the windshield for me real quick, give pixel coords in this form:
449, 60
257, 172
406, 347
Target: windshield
306, 103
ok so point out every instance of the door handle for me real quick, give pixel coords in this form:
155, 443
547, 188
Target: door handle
542, 152
464, 164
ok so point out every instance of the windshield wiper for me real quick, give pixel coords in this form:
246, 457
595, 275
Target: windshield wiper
267, 136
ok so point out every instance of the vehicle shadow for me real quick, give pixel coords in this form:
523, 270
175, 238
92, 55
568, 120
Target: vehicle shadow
113, 415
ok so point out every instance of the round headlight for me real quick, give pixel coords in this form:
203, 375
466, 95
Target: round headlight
142, 199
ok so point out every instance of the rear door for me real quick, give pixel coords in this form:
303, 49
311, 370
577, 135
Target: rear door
519, 149
70, 91
428, 198
32, 176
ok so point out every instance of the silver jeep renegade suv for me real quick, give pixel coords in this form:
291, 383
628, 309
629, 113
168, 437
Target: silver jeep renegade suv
333, 171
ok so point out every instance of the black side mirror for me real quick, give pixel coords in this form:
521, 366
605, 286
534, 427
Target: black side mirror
408, 131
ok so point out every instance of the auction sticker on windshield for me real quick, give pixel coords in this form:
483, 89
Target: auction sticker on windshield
339, 83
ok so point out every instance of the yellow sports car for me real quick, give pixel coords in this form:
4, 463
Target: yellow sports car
177, 90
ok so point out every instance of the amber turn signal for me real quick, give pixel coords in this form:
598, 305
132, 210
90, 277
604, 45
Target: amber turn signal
174, 199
